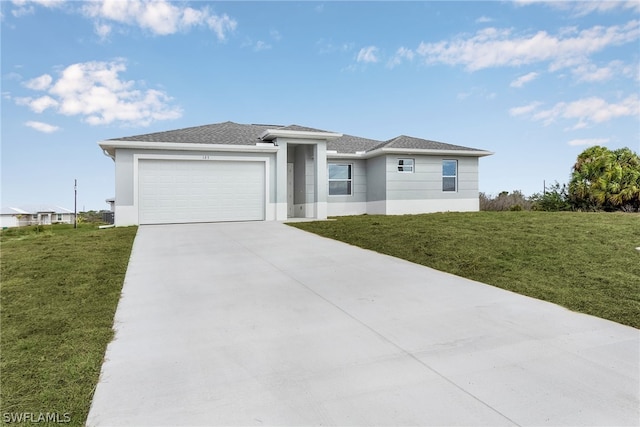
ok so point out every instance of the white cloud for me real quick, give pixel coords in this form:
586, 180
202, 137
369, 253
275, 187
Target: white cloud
327, 46
492, 47
42, 127
401, 54
260, 45
102, 30
39, 83
368, 54
582, 8
590, 73
483, 20
94, 91
584, 112
522, 80
588, 141
26, 7
161, 17
37, 105
525, 109
275, 34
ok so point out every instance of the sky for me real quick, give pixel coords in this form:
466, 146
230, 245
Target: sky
535, 82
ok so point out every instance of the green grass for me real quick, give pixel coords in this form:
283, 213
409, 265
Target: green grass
586, 262
60, 287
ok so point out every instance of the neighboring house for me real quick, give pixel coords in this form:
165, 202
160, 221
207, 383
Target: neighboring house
235, 172
34, 215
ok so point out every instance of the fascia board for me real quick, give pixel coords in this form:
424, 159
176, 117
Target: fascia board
298, 134
414, 151
110, 146
418, 151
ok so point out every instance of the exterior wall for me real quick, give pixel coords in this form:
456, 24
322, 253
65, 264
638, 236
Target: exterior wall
379, 188
126, 209
20, 220
304, 181
356, 203
421, 190
7, 221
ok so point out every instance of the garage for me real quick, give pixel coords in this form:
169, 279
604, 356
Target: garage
181, 191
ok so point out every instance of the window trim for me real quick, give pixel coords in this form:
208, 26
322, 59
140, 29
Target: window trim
350, 180
402, 166
455, 177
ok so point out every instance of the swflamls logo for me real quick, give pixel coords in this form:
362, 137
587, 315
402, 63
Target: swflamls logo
36, 417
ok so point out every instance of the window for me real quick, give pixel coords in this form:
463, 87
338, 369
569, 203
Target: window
449, 175
59, 217
405, 165
339, 180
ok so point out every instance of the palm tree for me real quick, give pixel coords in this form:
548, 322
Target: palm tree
605, 179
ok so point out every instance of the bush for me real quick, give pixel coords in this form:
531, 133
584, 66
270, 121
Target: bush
555, 198
516, 201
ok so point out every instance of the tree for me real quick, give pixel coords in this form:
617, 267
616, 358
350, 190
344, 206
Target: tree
605, 179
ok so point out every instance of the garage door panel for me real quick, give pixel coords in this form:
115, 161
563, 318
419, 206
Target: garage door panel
175, 191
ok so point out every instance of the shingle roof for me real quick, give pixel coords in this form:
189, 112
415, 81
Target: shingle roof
352, 144
33, 209
241, 134
219, 133
410, 142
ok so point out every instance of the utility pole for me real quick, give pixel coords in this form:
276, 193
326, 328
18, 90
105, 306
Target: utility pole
75, 203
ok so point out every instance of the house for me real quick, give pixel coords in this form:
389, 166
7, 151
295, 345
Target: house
34, 215
237, 172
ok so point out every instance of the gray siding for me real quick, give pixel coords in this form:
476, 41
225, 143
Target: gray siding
376, 179
426, 180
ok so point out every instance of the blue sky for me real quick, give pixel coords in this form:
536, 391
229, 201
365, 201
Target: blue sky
535, 82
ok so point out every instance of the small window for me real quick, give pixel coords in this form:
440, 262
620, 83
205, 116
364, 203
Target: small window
59, 217
449, 175
405, 165
340, 181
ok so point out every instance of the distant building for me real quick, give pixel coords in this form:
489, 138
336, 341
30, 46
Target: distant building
34, 215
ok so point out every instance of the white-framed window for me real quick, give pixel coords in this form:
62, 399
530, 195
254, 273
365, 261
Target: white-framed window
340, 179
406, 165
449, 175
59, 217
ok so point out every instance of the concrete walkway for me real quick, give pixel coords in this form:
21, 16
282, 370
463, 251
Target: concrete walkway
263, 324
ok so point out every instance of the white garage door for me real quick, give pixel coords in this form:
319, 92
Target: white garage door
177, 191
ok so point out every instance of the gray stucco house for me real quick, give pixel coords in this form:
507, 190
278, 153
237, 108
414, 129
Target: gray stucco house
237, 172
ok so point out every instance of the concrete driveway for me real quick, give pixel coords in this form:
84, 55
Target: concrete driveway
263, 324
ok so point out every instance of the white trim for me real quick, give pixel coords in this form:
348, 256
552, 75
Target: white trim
377, 207
401, 207
130, 216
340, 209
110, 146
408, 152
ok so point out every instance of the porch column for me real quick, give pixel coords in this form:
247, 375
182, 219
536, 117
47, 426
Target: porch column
320, 154
281, 181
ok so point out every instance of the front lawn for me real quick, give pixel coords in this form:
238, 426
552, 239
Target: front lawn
586, 262
60, 289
